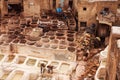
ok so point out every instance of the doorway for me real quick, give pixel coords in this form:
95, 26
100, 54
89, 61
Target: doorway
15, 8
70, 3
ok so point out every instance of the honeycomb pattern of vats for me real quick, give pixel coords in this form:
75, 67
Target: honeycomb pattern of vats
60, 39
13, 64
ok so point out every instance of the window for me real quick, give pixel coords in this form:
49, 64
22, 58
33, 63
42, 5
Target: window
83, 24
70, 3
84, 8
106, 9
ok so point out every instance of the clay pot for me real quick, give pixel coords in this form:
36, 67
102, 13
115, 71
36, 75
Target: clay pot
59, 34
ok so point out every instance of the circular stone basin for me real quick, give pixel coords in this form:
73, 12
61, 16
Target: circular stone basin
55, 41
71, 23
30, 43
60, 37
38, 44
10, 32
20, 36
62, 47
54, 27
46, 45
52, 37
70, 31
59, 34
23, 41
63, 42
71, 49
12, 36
72, 44
70, 39
50, 33
9, 40
44, 36
70, 35
54, 46
46, 40
33, 38
16, 41
60, 31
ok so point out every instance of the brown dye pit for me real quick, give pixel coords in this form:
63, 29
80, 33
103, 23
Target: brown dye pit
12, 36
54, 46
63, 42
9, 40
50, 33
70, 35
60, 31
52, 37
62, 47
71, 49
70, 31
70, 39
38, 44
55, 41
16, 41
60, 37
46, 45
46, 40
72, 44
45, 36
59, 34
30, 43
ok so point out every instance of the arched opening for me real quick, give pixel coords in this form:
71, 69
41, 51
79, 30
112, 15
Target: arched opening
103, 31
71, 3
15, 7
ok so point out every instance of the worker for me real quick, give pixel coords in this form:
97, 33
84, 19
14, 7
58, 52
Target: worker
42, 68
50, 69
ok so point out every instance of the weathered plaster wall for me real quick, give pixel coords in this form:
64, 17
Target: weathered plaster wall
32, 7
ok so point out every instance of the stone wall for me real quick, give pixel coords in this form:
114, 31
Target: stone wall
88, 11
4, 9
31, 8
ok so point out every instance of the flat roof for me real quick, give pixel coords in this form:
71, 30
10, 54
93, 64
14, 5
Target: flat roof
116, 30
